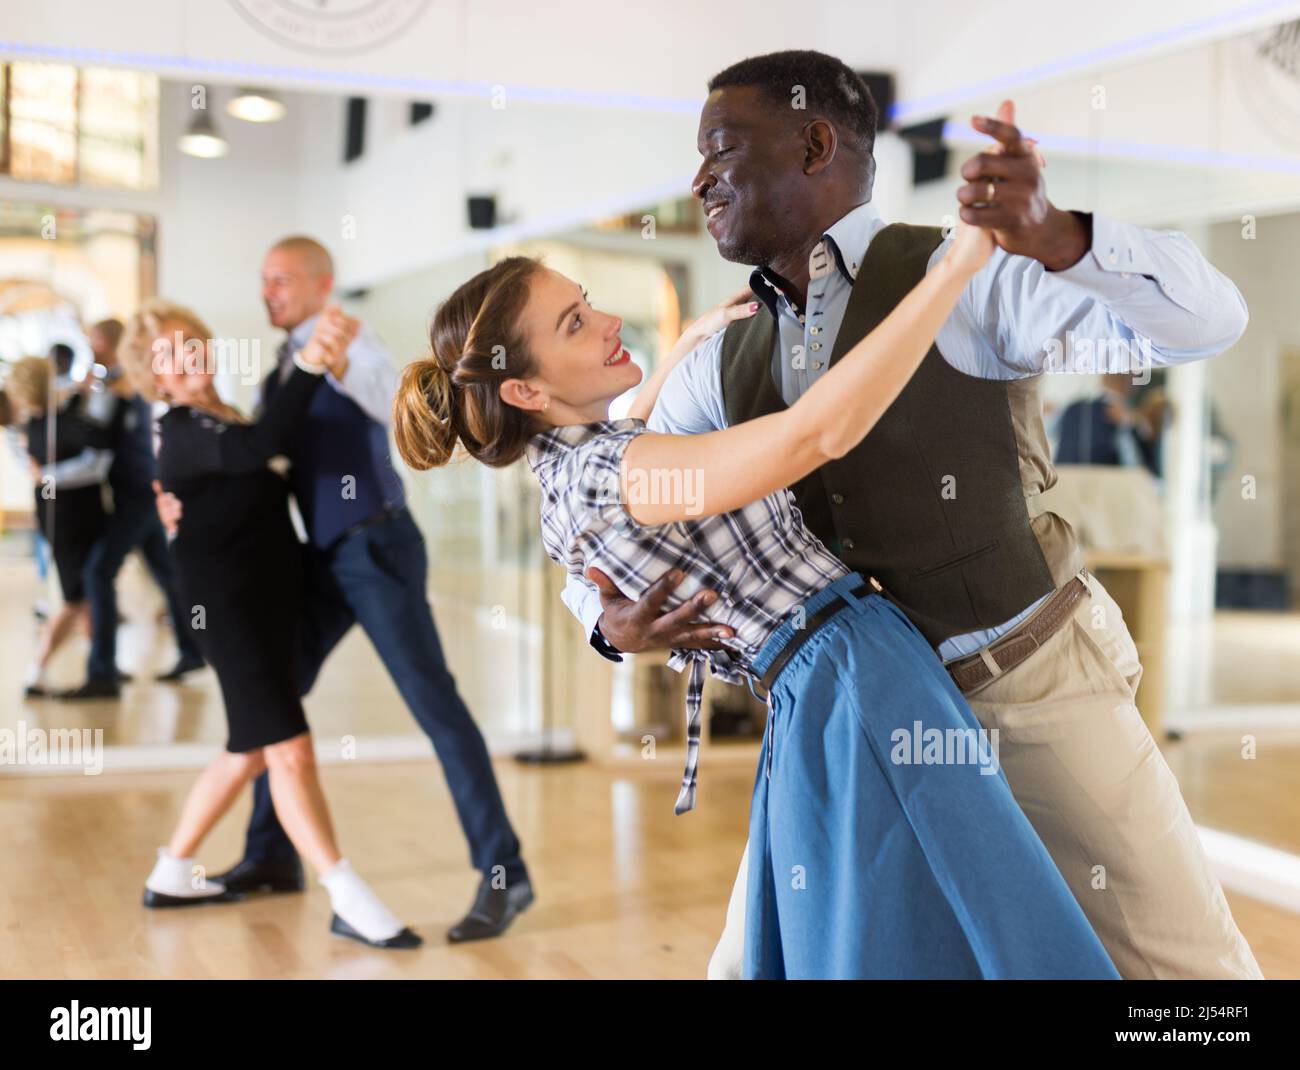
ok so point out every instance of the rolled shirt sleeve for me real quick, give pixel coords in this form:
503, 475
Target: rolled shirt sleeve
371, 377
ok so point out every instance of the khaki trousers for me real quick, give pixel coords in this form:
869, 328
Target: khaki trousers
1086, 772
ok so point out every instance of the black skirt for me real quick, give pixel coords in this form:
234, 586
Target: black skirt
239, 565
244, 604
72, 521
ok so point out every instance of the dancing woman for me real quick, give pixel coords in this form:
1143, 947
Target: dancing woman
862, 864
69, 495
239, 572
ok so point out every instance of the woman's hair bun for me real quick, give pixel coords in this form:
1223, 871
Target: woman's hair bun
424, 415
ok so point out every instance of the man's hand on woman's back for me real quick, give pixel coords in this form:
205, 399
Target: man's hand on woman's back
632, 627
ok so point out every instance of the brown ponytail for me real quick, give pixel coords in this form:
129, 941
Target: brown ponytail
454, 396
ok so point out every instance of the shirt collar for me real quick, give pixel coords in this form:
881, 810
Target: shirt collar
299, 335
550, 446
841, 249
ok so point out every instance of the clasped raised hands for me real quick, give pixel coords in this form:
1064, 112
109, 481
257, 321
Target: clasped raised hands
329, 341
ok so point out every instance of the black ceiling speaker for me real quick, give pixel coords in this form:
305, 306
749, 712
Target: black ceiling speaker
929, 153
881, 85
482, 212
354, 135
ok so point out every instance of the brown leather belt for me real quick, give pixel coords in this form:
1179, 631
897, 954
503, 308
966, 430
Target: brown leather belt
809, 629
1008, 651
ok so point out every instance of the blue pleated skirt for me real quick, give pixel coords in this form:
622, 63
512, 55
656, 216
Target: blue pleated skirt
884, 841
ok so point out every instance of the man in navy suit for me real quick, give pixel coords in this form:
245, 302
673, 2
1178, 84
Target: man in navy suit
1111, 430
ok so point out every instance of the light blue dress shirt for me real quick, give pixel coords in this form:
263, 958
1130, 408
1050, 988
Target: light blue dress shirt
370, 379
1151, 294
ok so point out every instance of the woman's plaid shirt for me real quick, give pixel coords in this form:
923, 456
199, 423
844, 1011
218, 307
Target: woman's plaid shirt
760, 559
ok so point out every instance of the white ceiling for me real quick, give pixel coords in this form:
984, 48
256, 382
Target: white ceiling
654, 55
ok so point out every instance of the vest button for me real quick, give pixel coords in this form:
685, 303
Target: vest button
838, 499
847, 544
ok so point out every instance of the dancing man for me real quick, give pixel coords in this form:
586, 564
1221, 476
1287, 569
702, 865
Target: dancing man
940, 501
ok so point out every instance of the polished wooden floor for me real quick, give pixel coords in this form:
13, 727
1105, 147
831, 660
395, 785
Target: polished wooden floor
626, 889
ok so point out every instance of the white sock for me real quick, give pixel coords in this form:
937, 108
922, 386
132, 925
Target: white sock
35, 675
356, 903
174, 876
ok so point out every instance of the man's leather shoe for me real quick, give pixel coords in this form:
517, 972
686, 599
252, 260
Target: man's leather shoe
402, 941
255, 875
493, 911
183, 665
91, 689
160, 900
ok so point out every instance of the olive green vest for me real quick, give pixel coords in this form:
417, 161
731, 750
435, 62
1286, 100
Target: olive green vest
938, 502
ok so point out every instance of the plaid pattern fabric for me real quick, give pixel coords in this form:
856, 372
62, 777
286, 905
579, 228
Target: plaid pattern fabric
760, 559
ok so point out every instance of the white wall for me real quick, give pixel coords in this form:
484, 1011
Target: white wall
658, 50
401, 206
657, 53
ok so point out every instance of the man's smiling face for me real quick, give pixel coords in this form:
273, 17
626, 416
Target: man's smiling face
751, 176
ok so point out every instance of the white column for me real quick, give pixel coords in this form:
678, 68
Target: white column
1190, 534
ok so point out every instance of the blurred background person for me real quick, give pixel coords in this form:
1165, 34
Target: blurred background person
62, 356
69, 459
104, 338
1115, 427
133, 524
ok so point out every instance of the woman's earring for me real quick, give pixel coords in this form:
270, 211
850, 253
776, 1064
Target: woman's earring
546, 405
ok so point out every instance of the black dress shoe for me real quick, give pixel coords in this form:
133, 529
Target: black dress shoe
402, 941
254, 875
161, 901
182, 666
493, 911
35, 691
91, 689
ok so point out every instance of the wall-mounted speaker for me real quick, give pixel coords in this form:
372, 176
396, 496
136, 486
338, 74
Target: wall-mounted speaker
881, 85
354, 136
929, 153
482, 212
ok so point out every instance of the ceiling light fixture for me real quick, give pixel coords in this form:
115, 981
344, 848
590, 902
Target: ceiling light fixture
202, 139
256, 106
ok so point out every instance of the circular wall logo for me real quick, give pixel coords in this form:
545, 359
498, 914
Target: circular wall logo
1268, 75
332, 26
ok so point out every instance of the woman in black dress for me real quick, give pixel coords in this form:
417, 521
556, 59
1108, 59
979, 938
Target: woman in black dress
239, 573
69, 491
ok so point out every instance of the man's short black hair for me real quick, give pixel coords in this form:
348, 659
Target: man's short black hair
830, 88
